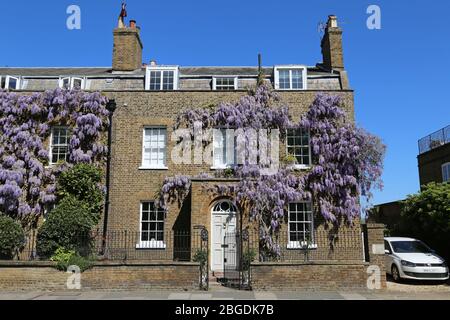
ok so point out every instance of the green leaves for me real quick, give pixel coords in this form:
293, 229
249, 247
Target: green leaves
12, 236
83, 182
426, 216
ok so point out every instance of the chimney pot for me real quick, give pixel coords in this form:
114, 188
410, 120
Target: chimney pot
332, 21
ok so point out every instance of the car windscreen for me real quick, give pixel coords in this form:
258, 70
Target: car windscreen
410, 247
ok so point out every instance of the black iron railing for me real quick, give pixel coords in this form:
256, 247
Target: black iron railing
123, 245
434, 140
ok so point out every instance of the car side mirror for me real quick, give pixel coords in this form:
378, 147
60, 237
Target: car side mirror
387, 251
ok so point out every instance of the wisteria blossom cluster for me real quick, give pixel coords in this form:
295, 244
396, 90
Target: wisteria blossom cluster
347, 162
27, 184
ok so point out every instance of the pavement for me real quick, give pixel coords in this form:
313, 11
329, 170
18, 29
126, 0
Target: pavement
407, 291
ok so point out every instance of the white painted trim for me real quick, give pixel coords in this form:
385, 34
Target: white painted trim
236, 79
151, 245
175, 69
153, 167
7, 78
300, 245
292, 244
290, 67
155, 244
72, 82
235, 213
301, 166
50, 163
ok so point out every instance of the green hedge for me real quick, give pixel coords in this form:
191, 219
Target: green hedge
69, 226
12, 237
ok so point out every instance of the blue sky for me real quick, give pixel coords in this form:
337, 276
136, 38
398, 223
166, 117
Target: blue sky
401, 73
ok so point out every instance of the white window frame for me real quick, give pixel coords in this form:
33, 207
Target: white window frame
72, 82
147, 166
446, 171
221, 166
51, 146
301, 244
225, 77
7, 78
150, 244
290, 68
161, 69
298, 165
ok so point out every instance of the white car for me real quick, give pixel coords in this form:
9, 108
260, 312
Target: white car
408, 258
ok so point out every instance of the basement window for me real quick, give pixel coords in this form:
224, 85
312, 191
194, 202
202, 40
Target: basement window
9, 82
225, 83
161, 78
301, 226
290, 77
72, 83
152, 227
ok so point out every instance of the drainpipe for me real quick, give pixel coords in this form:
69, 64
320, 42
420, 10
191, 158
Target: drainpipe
111, 107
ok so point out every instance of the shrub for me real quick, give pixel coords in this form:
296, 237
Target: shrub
12, 236
426, 216
65, 258
68, 226
82, 182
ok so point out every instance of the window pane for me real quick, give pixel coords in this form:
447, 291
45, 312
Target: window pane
297, 79
155, 147
298, 145
154, 227
59, 145
300, 221
3, 82
12, 83
155, 80
284, 79
168, 80
77, 83
225, 84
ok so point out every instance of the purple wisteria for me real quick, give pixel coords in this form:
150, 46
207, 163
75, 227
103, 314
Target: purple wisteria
27, 184
347, 163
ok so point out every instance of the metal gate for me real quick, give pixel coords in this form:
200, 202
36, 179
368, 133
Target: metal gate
236, 268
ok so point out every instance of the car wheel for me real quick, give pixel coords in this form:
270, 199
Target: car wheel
395, 273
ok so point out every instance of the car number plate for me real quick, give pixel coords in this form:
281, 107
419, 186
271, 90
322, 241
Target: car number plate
428, 270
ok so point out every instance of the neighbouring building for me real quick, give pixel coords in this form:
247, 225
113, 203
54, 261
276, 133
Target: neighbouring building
434, 157
434, 166
149, 97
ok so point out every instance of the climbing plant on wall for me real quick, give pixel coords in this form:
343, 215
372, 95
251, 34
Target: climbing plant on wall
27, 183
347, 162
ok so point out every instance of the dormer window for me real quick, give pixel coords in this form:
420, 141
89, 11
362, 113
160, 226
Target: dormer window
161, 78
290, 78
72, 83
9, 82
225, 83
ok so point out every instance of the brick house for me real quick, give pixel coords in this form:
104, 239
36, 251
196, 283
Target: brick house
148, 98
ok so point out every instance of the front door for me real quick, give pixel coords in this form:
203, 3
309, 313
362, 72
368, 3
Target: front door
223, 222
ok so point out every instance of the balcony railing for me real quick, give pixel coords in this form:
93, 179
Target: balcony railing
434, 140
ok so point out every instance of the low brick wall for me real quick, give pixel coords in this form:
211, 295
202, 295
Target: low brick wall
42, 276
309, 276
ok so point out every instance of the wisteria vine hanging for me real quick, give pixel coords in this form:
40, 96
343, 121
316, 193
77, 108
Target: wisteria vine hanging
347, 162
27, 183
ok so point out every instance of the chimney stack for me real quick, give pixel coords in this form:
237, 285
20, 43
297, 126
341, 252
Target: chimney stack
332, 53
127, 52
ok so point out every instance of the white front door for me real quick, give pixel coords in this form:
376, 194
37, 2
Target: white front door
222, 222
